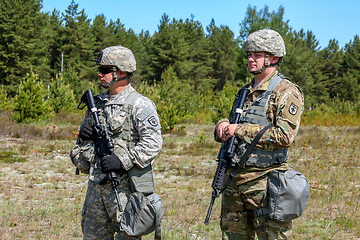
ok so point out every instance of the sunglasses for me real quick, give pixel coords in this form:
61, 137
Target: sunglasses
105, 70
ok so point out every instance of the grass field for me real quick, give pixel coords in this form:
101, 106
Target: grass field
41, 197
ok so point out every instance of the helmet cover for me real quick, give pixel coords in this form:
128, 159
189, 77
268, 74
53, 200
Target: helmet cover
118, 56
266, 40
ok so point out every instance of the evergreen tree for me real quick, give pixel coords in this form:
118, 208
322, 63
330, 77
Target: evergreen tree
78, 45
4, 100
22, 42
29, 104
197, 67
325, 73
61, 96
223, 51
56, 53
147, 71
169, 49
349, 86
102, 33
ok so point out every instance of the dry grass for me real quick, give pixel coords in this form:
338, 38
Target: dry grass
41, 197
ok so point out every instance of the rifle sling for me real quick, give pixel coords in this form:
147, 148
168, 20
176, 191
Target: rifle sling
245, 157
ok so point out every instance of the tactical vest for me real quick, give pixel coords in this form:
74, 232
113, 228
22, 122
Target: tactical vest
256, 114
141, 179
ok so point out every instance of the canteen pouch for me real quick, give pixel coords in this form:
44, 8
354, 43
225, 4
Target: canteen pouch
288, 194
142, 215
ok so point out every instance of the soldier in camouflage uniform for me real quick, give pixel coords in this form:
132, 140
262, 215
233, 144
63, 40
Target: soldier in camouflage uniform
136, 134
246, 194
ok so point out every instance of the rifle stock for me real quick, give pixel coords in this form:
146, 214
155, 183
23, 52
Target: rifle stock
226, 153
103, 141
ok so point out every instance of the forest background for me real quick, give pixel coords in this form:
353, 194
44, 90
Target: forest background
191, 72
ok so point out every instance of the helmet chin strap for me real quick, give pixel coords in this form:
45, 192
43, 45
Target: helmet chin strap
266, 65
115, 79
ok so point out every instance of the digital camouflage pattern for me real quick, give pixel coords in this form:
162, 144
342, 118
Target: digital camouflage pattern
100, 211
248, 188
266, 40
118, 56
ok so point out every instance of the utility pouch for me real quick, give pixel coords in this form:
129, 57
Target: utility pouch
142, 179
142, 215
288, 194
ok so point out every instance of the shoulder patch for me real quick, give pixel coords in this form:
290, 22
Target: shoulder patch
292, 110
153, 122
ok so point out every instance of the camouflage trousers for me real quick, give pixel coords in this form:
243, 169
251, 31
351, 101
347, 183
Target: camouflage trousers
100, 214
237, 217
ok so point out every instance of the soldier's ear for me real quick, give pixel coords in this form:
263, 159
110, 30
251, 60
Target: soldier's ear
274, 60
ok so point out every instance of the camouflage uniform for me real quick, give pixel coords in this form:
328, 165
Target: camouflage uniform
100, 214
247, 191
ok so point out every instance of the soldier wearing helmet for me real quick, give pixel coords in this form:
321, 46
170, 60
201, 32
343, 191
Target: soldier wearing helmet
132, 122
272, 99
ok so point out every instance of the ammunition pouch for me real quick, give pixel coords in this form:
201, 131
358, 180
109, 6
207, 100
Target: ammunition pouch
142, 180
259, 157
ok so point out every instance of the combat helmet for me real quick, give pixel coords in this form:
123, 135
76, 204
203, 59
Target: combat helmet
120, 58
268, 41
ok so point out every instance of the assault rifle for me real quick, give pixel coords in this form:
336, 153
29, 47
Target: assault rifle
103, 141
226, 153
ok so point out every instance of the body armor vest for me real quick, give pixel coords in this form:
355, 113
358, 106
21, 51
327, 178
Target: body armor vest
120, 125
256, 114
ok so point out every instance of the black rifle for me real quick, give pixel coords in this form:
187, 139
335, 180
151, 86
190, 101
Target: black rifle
103, 141
226, 153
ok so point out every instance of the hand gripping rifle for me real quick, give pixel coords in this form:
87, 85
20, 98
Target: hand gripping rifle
226, 153
103, 142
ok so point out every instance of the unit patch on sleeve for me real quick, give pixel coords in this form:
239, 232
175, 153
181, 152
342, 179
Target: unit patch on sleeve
153, 122
292, 109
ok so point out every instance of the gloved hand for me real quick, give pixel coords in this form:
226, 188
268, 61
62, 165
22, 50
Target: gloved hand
86, 132
111, 163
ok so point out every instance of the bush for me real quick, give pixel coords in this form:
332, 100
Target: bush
29, 104
61, 97
171, 97
224, 102
4, 101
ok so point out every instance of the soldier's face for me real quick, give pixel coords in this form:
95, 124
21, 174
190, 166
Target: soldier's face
256, 61
104, 75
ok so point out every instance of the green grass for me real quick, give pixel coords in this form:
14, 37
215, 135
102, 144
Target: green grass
41, 197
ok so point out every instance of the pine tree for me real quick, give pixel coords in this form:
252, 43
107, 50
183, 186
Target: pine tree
169, 49
61, 96
77, 45
4, 100
29, 103
349, 86
223, 51
22, 42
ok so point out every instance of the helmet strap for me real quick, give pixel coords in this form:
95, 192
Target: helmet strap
266, 65
115, 79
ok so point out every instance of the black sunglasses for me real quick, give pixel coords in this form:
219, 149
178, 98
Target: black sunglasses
105, 70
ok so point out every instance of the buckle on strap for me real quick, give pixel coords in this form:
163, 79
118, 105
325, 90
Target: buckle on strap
260, 212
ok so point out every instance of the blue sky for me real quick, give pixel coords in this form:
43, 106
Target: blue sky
327, 19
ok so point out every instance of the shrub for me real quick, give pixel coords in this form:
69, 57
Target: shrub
224, 101
4, 101
61, 96
29, 104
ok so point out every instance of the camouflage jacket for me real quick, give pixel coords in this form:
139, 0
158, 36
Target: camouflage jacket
145, 130
284, 110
